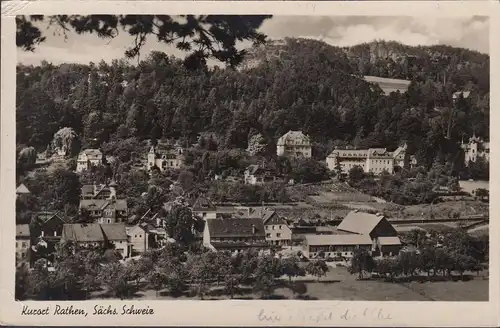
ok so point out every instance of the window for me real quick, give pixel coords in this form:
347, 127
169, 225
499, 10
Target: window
268, 235
278, 235
23, 244
280, 226
267, 227
273, 227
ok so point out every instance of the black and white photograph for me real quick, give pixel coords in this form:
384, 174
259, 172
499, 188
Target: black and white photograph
263, 157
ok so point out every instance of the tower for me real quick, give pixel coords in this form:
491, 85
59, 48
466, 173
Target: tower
151, 157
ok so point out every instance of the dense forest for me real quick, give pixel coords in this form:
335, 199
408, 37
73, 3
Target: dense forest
292, 84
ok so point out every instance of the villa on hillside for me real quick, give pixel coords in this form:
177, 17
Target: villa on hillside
294, 144
164, 158
99, 191
256, 175
375, 160
88, 158
475, 148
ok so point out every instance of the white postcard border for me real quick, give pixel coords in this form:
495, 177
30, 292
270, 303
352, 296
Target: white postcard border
243, 313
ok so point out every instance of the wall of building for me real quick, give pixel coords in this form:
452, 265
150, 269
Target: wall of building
347, 251
278, 234
378, 165
138, 239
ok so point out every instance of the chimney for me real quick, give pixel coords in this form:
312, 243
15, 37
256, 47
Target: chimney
254, 229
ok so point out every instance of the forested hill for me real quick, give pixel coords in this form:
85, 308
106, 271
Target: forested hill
307, 86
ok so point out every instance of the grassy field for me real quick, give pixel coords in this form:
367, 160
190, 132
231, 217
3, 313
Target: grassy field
340, 285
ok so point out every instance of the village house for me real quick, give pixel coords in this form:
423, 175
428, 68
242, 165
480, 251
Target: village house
165, 159
294, 144
99, 191
105, 211
334, 245
49, 226
23, 243
277, 230
204, 208
402, 159
358, 230
257, 175
381, 232
234, 235
88, 158
374, 160
476, 148
98, 235
145, 236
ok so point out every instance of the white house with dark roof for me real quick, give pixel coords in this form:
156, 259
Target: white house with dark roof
335, 245
23, 243
294, 144
376, 226
99, 191
164, 159
402, 159
88, 158
204, 208
374, 160
94, 234
358, 230
234, 235
104, 210
474, 148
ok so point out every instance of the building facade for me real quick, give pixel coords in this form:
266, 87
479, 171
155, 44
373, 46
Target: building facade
374, 160
294, 144
99, 191
88, 158
234, 235
277, 230
98, 235
23, 243
105, 211
165, 159
475, 148
257, 175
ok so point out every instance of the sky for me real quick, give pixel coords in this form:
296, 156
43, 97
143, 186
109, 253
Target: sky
466, 32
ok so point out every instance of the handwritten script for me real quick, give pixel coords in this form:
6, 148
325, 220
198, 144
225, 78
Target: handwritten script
324, 314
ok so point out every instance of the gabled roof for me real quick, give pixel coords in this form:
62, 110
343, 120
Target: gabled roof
360, 222
22, 189
114, 231
347, 239
94, 232
203, 203
82, 233
293, 135
22, 230
87, 189
268, 215
46, 216
101, 204
235, 227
